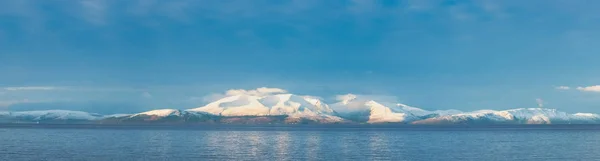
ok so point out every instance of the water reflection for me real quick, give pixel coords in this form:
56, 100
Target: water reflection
213, 141
314, 141
45, 144
253, 140
159, 143
344, 142
379, 147
283, 144
231, 143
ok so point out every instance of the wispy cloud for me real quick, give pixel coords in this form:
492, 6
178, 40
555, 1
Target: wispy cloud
255, 92
32, 88
262, 91
101, 12
69, 88
595, 88
362, 97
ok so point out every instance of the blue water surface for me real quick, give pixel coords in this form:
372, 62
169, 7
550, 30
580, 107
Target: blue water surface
300, 143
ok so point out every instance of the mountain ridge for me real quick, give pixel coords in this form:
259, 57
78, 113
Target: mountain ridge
251, 107
376, 114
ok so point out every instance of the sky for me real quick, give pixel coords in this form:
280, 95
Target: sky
115, 56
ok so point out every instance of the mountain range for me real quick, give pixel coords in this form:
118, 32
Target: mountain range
285, 108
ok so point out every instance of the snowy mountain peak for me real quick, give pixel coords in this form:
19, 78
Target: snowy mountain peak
356, 109
345, 99
372, 103
270, 105
516, 116
590, 115
52, 115
160, 113
266, 105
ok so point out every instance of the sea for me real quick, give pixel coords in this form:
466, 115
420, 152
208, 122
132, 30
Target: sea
299, 142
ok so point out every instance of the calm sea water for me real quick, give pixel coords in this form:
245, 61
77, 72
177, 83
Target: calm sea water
300, 143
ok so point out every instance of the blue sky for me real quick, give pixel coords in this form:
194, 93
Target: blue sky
114, 56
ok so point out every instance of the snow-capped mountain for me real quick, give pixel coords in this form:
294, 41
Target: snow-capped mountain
49, 115
356, 110
364, 110
514, 116
276, 106
163, 116
160, 113
294, 106
116, 115
424, 113
360, 109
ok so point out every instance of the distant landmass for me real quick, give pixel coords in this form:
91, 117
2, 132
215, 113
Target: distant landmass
296, 109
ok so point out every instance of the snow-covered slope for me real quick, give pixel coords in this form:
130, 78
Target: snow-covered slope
116, 115
360, 109
514, 116
422, 113
380, 113
238, 105
275, 106
160, 113
163, 116
50, 115
365, 110
294, 106
356, 110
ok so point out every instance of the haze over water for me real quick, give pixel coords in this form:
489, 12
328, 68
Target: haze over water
302, 143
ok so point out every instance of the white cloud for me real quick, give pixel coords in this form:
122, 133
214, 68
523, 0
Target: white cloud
378, 98
260, 92
69, 88
595, 88
346, 97
32, 88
